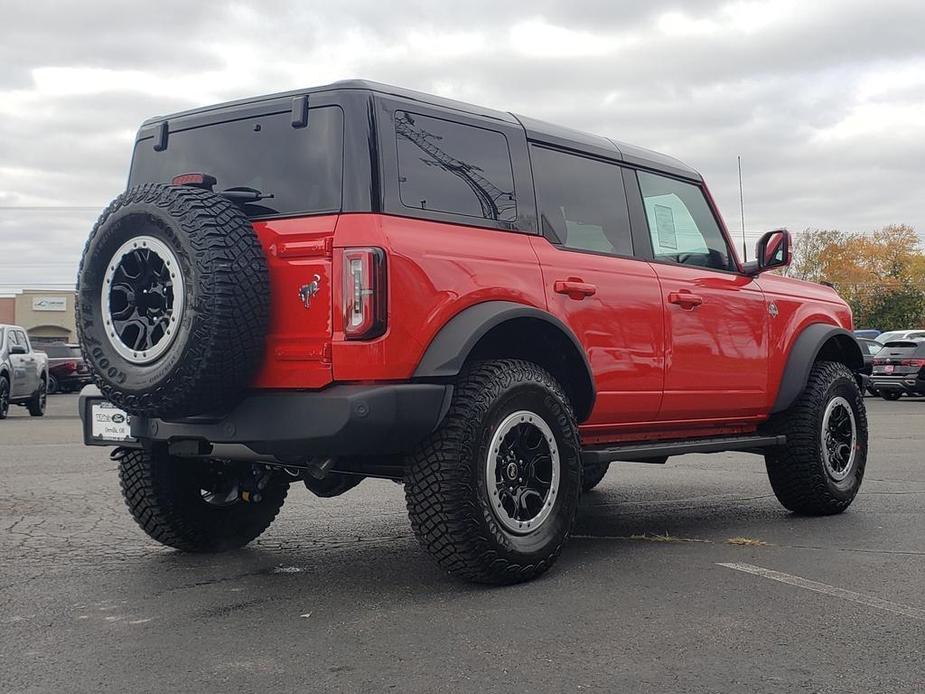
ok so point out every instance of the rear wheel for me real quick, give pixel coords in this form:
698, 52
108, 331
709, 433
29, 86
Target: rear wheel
492, 494
36, 405
593, 475
52, 384
891, 394
199, 505
819, 470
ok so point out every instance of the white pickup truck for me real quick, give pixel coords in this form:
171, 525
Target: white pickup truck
23, 372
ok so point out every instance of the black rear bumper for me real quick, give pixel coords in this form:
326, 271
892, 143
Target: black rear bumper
904, 383
342, 420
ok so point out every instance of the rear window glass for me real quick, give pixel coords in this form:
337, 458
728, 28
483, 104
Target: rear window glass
450, 167
61, 351
301, 167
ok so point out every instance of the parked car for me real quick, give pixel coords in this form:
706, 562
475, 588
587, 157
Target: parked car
899, 368
359, 280
892, 335
67, 369
868, 349
23, 372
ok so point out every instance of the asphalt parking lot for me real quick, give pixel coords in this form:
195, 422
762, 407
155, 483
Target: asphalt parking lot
650, 595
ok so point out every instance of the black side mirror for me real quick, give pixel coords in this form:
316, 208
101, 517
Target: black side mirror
773, 250
17, 349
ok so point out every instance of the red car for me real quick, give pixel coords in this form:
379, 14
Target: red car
67, 369
363, 281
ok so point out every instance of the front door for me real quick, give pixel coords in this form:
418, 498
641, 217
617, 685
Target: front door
716, 319
20, 384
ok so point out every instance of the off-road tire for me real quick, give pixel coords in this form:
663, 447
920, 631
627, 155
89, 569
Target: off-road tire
163, 495
39, 399
4, 397
797, 470
218, 343
891, 394
445, 489
592, 476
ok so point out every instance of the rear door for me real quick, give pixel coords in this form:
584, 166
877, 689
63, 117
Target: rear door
716, 319
609, 299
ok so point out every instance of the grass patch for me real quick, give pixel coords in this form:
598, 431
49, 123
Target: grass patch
746, 542
665, 537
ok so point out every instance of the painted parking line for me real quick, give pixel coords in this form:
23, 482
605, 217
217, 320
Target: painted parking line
825, 588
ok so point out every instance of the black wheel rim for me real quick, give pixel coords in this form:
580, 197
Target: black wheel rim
522, 472
839, 438
142, 299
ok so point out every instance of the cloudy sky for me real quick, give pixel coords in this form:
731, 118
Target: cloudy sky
824, 100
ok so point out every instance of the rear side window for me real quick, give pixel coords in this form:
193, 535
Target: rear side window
682, 227
450, 167
582, 203
302, 168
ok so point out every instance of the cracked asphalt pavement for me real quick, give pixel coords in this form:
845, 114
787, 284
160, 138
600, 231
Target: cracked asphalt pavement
649, 595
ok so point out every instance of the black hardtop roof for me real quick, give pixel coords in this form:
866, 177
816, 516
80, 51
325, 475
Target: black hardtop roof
537, 130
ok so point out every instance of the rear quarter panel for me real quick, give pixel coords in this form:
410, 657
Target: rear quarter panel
435, 270
799, 304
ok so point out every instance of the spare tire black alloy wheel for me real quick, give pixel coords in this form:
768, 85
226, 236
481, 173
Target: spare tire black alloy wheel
142, 299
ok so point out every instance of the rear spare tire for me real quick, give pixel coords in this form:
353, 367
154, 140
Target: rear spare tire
173, 301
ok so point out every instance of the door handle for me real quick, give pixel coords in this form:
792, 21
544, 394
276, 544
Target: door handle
574, 288
685, 299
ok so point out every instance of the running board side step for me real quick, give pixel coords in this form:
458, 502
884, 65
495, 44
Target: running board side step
659, 451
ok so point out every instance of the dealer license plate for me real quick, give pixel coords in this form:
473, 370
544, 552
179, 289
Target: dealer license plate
109, 423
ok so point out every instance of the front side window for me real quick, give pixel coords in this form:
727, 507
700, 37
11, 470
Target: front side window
450, 167
582, 203
681, 224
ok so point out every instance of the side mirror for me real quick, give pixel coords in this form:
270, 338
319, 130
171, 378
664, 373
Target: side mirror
773, 251
17, 349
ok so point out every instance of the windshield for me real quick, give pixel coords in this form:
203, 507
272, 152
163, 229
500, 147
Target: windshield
301, 168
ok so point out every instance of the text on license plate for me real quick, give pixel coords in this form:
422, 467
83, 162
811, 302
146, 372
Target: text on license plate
109, 423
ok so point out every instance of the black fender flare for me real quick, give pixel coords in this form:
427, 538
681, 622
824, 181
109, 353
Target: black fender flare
803, 354
448, 351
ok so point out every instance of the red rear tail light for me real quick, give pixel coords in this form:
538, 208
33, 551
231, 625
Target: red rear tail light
913, 362
70, 366
365, 293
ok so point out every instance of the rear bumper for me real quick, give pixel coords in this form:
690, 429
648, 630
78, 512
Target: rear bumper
341, 420
907, 383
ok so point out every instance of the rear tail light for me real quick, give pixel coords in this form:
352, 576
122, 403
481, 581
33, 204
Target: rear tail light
70, 366
365, 293
913, 362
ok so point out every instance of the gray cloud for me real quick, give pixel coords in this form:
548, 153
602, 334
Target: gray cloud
818, 98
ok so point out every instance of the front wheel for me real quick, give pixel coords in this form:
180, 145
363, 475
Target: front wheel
199, 505
38, 401
891, 394
492, 494
4, 397
819, 470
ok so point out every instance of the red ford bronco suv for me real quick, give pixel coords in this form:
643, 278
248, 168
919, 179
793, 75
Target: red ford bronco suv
362, 281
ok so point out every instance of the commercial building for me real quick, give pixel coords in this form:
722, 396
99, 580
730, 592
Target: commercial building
47, 315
